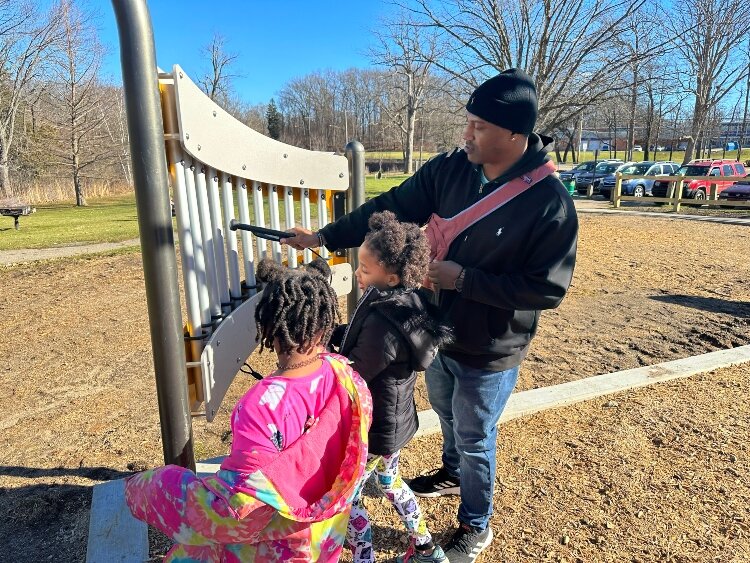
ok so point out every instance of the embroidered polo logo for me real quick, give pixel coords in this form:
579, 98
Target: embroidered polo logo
499, 232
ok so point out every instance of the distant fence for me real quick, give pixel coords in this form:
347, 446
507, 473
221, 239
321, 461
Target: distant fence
674, 197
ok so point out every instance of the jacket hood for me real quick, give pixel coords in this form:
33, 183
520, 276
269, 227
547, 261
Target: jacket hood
537, 153
417, 320
329, 459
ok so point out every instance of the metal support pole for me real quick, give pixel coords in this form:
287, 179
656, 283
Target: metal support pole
355, 154
143, 107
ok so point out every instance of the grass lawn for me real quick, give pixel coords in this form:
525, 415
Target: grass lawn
375, 186
110, 219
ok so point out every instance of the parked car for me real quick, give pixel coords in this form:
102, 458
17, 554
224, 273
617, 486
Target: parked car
595, 176
638, 187
740, 191
568, 175
637, 148
698, 189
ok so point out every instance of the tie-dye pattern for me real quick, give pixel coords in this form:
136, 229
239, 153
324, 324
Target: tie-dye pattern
234, 517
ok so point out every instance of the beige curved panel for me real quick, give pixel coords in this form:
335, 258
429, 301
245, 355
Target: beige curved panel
211, 135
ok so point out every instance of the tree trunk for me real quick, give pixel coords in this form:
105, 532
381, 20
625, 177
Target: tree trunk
4, 179
80, 199
631, 117
411, 116
695, 132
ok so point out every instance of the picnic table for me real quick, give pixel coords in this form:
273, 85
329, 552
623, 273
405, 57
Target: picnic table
16, 211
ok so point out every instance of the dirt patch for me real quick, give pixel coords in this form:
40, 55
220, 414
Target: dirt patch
78, 388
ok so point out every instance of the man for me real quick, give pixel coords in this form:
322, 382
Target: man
497, 276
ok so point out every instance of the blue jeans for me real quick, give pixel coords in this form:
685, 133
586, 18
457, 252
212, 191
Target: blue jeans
477, 399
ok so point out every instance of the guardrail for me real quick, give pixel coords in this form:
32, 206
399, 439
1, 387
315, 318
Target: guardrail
675, 198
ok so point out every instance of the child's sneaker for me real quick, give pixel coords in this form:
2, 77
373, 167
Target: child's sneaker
413, 556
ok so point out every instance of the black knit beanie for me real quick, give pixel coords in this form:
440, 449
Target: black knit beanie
508, 100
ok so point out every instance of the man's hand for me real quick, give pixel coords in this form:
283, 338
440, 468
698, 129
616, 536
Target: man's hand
304, 238
444, 274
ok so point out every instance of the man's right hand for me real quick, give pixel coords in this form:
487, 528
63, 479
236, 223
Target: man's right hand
304, 238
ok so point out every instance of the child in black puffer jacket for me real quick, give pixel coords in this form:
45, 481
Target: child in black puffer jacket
395, 331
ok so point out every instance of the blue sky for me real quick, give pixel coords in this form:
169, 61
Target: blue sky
275, 41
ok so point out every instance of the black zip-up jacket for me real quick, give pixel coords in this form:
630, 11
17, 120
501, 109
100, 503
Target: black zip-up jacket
392, 335
519, 260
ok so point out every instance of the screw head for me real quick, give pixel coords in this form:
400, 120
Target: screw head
214, 112
244, 167
187, 135
289, 192
199, 147
341, 174
285, 155
180, 74
301, 182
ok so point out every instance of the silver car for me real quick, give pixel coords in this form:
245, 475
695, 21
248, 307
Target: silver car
641, 186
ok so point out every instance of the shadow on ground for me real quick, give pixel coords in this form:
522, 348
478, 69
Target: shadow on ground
709, 304
56, 511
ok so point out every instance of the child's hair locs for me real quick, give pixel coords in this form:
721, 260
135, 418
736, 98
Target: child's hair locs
298, 307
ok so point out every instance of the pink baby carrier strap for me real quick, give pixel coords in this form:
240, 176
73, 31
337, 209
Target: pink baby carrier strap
441, 232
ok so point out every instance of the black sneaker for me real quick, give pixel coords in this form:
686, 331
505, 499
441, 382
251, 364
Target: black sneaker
467, 543
435, 484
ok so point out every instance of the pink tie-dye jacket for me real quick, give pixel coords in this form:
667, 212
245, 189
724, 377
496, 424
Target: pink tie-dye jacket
292, 508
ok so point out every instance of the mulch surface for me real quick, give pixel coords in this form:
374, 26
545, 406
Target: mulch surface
661, 476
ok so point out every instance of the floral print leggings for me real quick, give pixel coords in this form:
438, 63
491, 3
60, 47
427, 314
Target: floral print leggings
359, 532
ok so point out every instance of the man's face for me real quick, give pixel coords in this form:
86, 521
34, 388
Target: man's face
485, 141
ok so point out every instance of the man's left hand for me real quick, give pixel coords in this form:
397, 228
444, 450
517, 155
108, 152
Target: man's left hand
444, 274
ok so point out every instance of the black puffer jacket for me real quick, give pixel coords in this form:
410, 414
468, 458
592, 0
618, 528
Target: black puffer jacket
392, 335
519, 259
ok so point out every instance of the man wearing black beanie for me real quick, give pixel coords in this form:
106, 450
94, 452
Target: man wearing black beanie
499, 273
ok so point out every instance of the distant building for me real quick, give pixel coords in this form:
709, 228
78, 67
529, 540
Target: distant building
732, 130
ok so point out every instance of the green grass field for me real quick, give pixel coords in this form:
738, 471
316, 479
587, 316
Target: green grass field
103, 220
110, 219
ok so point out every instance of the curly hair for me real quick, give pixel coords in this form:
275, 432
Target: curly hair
298, 306
402, 248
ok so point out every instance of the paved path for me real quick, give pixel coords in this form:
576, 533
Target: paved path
22, 255
604, 207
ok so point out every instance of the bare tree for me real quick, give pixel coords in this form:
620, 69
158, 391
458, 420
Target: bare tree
707, 34
27, 37
116, 128
409, 53
217, 81
78, 96
564, 45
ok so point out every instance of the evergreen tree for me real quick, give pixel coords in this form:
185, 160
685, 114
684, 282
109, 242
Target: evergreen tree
274, 120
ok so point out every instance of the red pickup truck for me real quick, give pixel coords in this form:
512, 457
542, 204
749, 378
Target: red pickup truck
713, 170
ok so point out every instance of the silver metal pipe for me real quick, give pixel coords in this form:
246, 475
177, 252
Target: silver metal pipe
146, 133
355, 154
